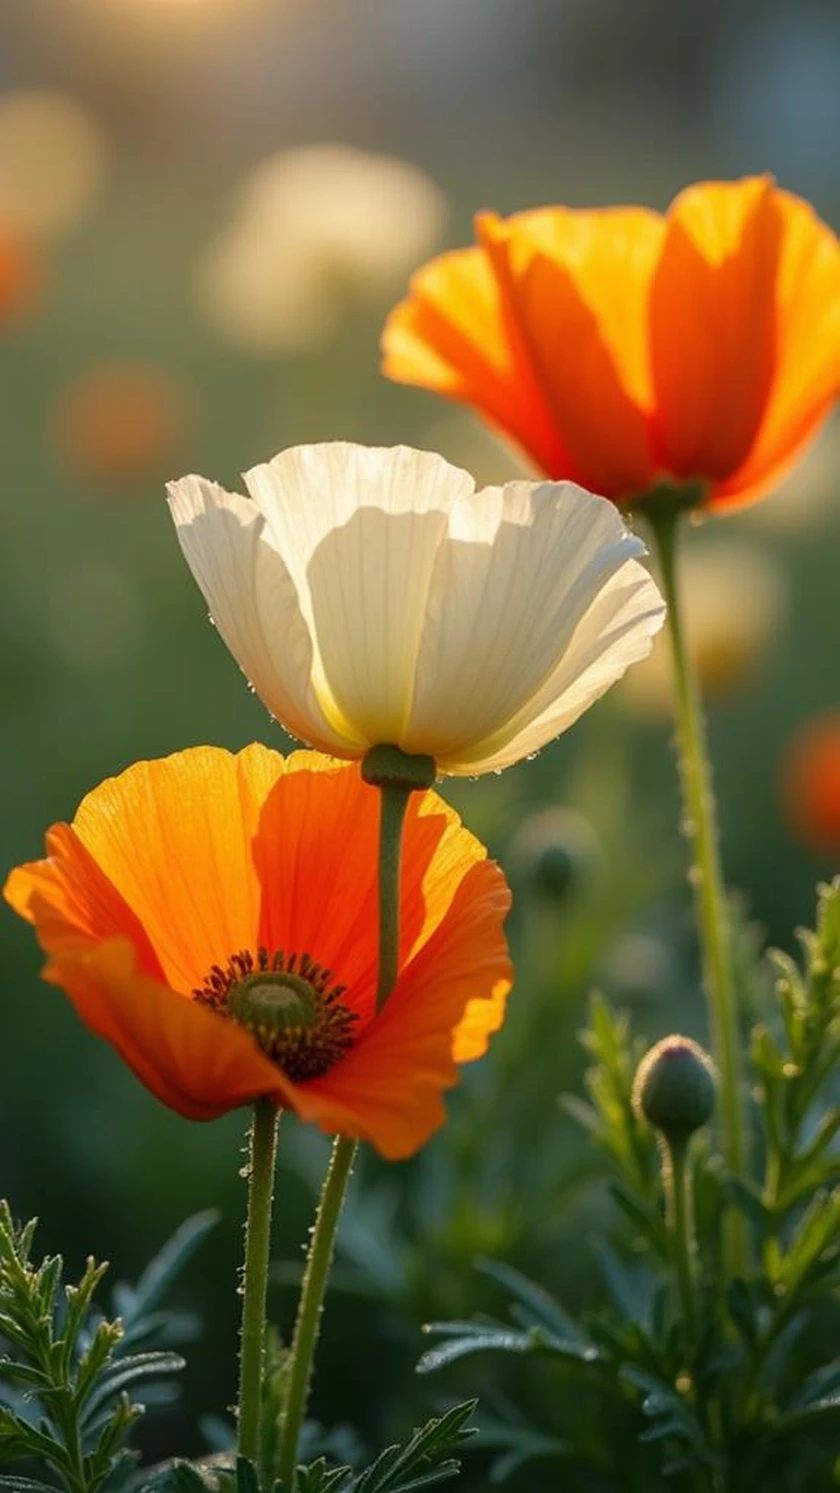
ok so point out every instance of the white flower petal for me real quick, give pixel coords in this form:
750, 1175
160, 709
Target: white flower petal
360, 530
616, 631
515, 579
373, 596
254, 604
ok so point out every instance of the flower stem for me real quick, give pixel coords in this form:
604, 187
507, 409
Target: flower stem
311, 1305
393, 804
262, 1157
707, 875
679, 1217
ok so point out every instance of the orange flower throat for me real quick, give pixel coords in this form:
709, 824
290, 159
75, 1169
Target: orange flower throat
295, 1014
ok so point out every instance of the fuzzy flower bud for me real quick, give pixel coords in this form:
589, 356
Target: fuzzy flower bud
674, 1088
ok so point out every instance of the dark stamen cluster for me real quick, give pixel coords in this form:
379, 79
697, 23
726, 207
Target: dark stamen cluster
302, 1049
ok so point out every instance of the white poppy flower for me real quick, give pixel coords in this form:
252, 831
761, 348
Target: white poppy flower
372, 596
314, 230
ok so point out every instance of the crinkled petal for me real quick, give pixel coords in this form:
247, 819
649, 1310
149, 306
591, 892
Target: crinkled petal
807, 352
255, 605
713, 325
189, 1057
388, 1089
174, 838
456, 333
316, 856
517, 577
615, 631
72, 904
359, 529
577, 283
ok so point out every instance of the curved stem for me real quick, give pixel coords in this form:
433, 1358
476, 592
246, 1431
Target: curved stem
311, 1305
262, 1157
393, 804
707, 875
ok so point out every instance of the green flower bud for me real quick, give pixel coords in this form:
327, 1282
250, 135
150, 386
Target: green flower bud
553, 850
674, 1088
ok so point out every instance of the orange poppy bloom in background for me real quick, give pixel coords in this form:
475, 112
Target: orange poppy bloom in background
21, 276
188, 890
811, 783
621, 348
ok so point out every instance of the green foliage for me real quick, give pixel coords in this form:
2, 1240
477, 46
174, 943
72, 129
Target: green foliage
425, 1460
68, 1374
742, 1392
610, 1116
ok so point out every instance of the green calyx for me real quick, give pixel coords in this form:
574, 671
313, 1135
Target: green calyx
675, 1088
388, 766
273, 1002
667, 500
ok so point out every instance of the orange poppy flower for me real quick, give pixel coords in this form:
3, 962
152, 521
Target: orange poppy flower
811, 783
621, 348
120, 423
214, 917
21, 277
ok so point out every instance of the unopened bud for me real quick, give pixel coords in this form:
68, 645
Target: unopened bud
553, 850
674, 1088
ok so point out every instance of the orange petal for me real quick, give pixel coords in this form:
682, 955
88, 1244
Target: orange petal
807, 351
388, 1090
579, 282
174, 837
191, 1059
21, 277
713, 325
72, 903
316, 856
454, 334
811, 784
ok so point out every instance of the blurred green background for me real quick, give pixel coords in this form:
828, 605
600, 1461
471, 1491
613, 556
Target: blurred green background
115, 375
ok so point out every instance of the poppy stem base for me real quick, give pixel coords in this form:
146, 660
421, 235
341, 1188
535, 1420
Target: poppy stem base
700, 827
261, 1165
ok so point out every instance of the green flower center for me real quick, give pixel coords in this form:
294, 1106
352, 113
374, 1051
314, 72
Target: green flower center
289, 1005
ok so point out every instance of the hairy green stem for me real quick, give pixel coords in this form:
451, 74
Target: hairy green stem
393, 803
262, 1158
680, 1221
313, 1291
707, 875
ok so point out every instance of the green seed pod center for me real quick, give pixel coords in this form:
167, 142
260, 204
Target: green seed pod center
288, 1003
278, 1002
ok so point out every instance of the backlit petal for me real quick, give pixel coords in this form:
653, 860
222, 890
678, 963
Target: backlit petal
190, 1058
72, 904
515, 584
455, 334
807, 351
388, 1089
578, 283
615, 631
713, 325
359, 529
254, 604
316, 855
174, 837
